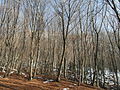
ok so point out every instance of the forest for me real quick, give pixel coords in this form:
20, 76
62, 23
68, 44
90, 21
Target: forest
76, 40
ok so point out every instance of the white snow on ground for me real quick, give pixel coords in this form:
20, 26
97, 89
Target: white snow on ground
71, 86
48, 81
75, 84
109, 76
54, 70
119, 76
65, 88
111, 83
39, 78
11, 72
3, 71
24, 74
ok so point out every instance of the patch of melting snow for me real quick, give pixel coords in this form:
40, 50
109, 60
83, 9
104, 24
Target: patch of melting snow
3, 71
54, 70
51, 80
38, 77
111, 83
71, 86
75, 84
65, 88
48, 81
11, 72
24, 74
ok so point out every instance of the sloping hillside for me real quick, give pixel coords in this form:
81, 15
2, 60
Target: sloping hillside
15, 82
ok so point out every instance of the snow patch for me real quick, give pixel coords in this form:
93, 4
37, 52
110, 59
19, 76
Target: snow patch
38, 78
65, 88
11, 72
24, 74
71, 86
75, 84
55, 70
48, 81
3, 71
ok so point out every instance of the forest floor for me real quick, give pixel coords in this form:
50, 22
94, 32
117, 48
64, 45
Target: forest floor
17, 82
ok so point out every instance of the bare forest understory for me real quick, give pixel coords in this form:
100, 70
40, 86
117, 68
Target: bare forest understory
40, 82
59, 44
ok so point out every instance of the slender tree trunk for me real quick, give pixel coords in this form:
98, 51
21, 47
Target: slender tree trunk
64, 67
62, 58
